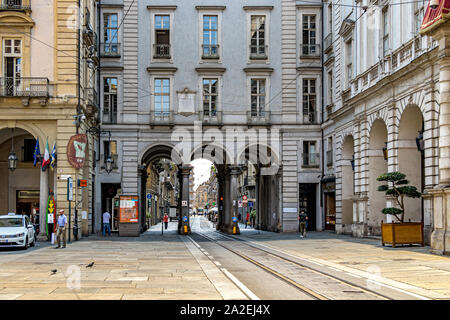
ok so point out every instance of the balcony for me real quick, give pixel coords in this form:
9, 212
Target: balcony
258, 118
110, 50
328, 42
329, 158
310, 117
258, 52
309, 51
210, 51
161, 118
212, 117
310, 160
161, 51
25, 88
16, 5
91, 100
89, 35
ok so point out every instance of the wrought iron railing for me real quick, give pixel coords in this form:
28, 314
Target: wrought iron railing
258, 51
310, 50
15, 5
210, 51
161, 50
110, 49
24, 87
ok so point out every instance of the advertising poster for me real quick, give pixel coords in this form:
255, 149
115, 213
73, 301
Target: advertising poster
129, 212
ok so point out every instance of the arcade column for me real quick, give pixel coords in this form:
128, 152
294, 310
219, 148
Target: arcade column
232, 198
184, 226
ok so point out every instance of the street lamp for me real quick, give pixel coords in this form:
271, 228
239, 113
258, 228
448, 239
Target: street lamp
109, 164
12, 159
420, 143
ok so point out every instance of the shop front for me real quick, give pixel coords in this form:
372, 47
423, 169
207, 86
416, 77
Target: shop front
329, 193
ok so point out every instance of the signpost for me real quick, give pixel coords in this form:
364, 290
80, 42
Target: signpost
70, 199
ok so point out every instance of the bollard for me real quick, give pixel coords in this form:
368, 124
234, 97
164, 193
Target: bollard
185, 230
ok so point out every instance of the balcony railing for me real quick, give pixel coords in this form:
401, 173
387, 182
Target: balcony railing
258, 117
309, 50
91, 99
210, 51
258, 51
110, 49
89, 35
329, 158
161, 118
24, 87
212, 117
310, 117
310, 159
327, 41
15, 5
161, 51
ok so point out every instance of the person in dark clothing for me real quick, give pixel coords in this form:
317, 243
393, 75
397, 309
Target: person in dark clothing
302, 219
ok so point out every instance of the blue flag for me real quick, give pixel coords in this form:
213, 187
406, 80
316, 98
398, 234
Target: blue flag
53, 157
37, 152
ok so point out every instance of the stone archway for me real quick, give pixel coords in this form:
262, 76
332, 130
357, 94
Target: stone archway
410, 159
377, 166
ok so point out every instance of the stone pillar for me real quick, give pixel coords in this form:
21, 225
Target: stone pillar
232, 199
43, 198
227, 201
440, 237
220, 197
279, 196
185, 172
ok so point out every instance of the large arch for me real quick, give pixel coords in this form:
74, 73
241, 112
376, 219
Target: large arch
377, 165
410, 159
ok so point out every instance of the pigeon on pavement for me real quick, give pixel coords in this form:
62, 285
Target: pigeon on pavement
90, 265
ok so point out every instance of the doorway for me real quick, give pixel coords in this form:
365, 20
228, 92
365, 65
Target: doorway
307, 202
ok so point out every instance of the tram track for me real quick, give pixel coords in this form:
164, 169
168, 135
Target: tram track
338, 288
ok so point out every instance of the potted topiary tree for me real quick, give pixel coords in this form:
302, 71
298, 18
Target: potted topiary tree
399, 232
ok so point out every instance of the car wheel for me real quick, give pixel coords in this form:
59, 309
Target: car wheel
34, 241
26, 244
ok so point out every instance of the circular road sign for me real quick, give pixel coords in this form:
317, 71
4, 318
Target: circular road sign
185, 218
234, 219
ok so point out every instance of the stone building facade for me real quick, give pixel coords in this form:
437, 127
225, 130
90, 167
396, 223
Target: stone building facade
47, 83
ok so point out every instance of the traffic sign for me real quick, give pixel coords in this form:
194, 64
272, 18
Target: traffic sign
69, 189
185, 218
149, 196
234, 219
250, 203
184, 203
244, 197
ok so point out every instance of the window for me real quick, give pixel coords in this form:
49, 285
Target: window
162, 36
210, 94
109, 100
330, 18
419, 9
258, 97
330, 87
348, 61
28, 150
257, 37
385, 14
162, 97
110, 35
330, 151
12, 62
310, 155
309, 101
309, 46
210, 45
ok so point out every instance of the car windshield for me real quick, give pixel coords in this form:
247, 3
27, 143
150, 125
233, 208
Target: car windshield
11, 222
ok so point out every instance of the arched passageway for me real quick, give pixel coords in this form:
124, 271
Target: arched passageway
377, 165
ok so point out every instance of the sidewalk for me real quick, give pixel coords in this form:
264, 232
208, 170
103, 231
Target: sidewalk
413, 268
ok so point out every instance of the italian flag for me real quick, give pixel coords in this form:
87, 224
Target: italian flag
46, 160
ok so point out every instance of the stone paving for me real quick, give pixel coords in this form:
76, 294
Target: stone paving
412, 268
149, 267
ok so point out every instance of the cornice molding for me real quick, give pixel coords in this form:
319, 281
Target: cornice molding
156, 7
210, 70
111, 5
258, 70
265, 8
162, 69
210, 7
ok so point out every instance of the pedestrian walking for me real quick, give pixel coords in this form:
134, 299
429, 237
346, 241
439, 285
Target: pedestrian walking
166, 221
253, 217
61, 232
247, 220
239, 217
303, 219
106, 223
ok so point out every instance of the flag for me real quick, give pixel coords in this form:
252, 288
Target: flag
53, 157
37, 152
46, 160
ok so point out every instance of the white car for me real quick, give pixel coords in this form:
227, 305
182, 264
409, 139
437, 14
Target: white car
16, 231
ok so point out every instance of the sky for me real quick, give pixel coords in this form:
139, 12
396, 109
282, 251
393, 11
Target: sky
202, 168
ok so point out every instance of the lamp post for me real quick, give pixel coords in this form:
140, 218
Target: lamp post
109, 164
12, 159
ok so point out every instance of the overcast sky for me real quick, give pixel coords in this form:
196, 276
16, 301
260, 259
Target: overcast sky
202, 168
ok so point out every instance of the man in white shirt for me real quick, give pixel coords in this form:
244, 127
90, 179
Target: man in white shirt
61, 231
106, 223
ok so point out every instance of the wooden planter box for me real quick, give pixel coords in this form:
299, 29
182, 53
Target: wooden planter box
401, 233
